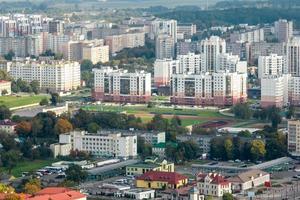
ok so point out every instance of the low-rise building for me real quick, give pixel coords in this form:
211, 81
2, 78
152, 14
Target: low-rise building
161, 180
106, 143
141, 168
248, 180
139, 194
159, 150
5, 87
59, 149
8, 126
213, 184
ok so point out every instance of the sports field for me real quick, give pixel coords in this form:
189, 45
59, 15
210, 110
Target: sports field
17, 101
189, 116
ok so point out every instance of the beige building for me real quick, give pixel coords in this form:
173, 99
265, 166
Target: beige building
8, 126
60, 149
5, 87
95, 53
52, 75
249, 180
294, 137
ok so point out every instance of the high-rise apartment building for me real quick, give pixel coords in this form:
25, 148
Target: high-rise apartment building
163, 27
95, 53
215, 89
232, 63
52, 75
163, 70
212, 48
283, 30
271, 65
256, 35
191, 63
121, 85
164, 47
292, 52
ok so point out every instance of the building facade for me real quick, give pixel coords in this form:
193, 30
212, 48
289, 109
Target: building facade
5, 87
293, 139
112, 144
163, 70
283, 30
218, 89
271, 65
121, 86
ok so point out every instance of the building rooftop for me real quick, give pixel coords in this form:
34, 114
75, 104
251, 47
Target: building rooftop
170, 177
144, 165
248, 175
214, 177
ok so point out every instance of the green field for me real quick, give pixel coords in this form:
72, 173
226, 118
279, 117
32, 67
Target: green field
28, 166
188, 116
17, 101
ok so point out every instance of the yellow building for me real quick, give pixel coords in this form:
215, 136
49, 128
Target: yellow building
149, 165
161, 180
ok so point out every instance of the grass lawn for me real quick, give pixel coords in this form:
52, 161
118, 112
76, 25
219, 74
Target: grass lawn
28, 166
16, 101
188, 116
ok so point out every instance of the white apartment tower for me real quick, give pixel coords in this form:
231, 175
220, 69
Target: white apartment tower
163, 27
163, 70
271, 65
292, 52
283, 30
191, 63
212, 48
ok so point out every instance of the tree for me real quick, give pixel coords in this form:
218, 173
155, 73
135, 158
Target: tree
32, 186
242, 111
208, 197
6, 189
93, 127
44, 102
5, 113
13, 196
9, 56
4, 92
63, 126
55, 99
228, 146
10, 159
291, 112
158, 123
86, 65
35, 86
275, 119
143, 149
257, 150
24, 128
227, 196
76, 174
176, 121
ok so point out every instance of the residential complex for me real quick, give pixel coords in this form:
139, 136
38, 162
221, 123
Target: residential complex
217, 89
271, 65
164, 47
110, 144
163, 70
121, 85
52, 75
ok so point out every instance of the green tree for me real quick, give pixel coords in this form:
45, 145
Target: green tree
32, 186
227, 196
242, 111
228, 146
76, 173
35, 86
258, 150
55, 99
143, 149
24, 128
44, 102
158, 123
93, 127
10, 159
9, 56
5, 113
86, 65
291, 112
4, 92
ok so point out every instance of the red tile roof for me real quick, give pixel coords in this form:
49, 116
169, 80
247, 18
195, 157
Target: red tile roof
57, 193
170, 177
215, 178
